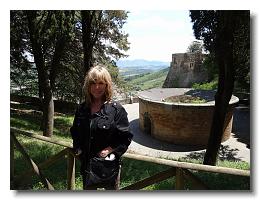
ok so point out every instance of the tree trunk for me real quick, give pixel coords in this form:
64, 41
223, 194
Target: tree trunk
224, 60
88, 43
48, 115
44, 84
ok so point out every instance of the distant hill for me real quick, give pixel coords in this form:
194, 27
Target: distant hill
135, 67
142, 63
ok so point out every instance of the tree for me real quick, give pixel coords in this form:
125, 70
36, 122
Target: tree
102, 36
22, 72
68, 82
195, 46
49, 33
220, 31
48, 48
44, 35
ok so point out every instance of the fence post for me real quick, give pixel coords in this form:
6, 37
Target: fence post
70, 170
179, 184
11, 161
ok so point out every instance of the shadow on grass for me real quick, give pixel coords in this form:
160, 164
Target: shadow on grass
25, 121
29, 121
217, 181
225, 153
62, 125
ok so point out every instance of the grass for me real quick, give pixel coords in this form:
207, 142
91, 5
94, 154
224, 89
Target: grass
184, 99
132, 170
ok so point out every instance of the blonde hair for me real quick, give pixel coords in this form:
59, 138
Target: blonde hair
97, 73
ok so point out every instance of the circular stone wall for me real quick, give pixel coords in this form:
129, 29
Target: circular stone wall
180, 123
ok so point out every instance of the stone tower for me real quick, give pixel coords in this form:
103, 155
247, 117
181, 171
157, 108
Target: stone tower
185, 69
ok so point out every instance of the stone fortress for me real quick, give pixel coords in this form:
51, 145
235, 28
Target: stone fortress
185, 69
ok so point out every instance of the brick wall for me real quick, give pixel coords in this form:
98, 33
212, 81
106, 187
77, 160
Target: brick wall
180, 124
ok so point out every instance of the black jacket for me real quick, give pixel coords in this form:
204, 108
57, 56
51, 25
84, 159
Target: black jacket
108, 127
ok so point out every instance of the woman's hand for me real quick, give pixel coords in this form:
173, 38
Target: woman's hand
77, 153
105, 152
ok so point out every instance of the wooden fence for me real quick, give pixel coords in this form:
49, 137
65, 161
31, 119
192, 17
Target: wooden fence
181, 170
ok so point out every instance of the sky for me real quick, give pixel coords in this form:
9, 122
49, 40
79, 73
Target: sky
157, 34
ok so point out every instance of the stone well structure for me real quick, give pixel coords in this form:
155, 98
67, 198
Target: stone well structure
180, 123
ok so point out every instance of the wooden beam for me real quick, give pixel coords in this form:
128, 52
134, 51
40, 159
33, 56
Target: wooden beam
70, 170
22, 177
179, 181
172, 163
43, 138
197, 184
192, 166
33, 165
11, 162
151, 180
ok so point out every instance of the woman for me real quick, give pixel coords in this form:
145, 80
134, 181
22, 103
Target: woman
100, 132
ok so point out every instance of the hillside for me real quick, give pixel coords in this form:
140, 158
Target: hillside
147, 80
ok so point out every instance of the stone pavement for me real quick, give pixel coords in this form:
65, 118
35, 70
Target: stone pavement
235, 148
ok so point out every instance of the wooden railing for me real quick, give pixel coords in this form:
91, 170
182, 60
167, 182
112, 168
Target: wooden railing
181, 170
37, 169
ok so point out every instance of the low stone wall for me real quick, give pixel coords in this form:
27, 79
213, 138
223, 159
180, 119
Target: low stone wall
61, 106
25, 99
128, 100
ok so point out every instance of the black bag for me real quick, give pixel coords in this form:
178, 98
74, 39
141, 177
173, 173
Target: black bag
100, 170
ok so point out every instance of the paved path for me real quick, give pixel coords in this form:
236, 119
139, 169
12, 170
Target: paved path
235, 148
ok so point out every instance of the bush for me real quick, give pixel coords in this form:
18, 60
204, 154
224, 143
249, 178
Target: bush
206, 86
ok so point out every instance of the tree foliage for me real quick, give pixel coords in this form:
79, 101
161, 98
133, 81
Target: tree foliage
22, 72
195, 46
206, 25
